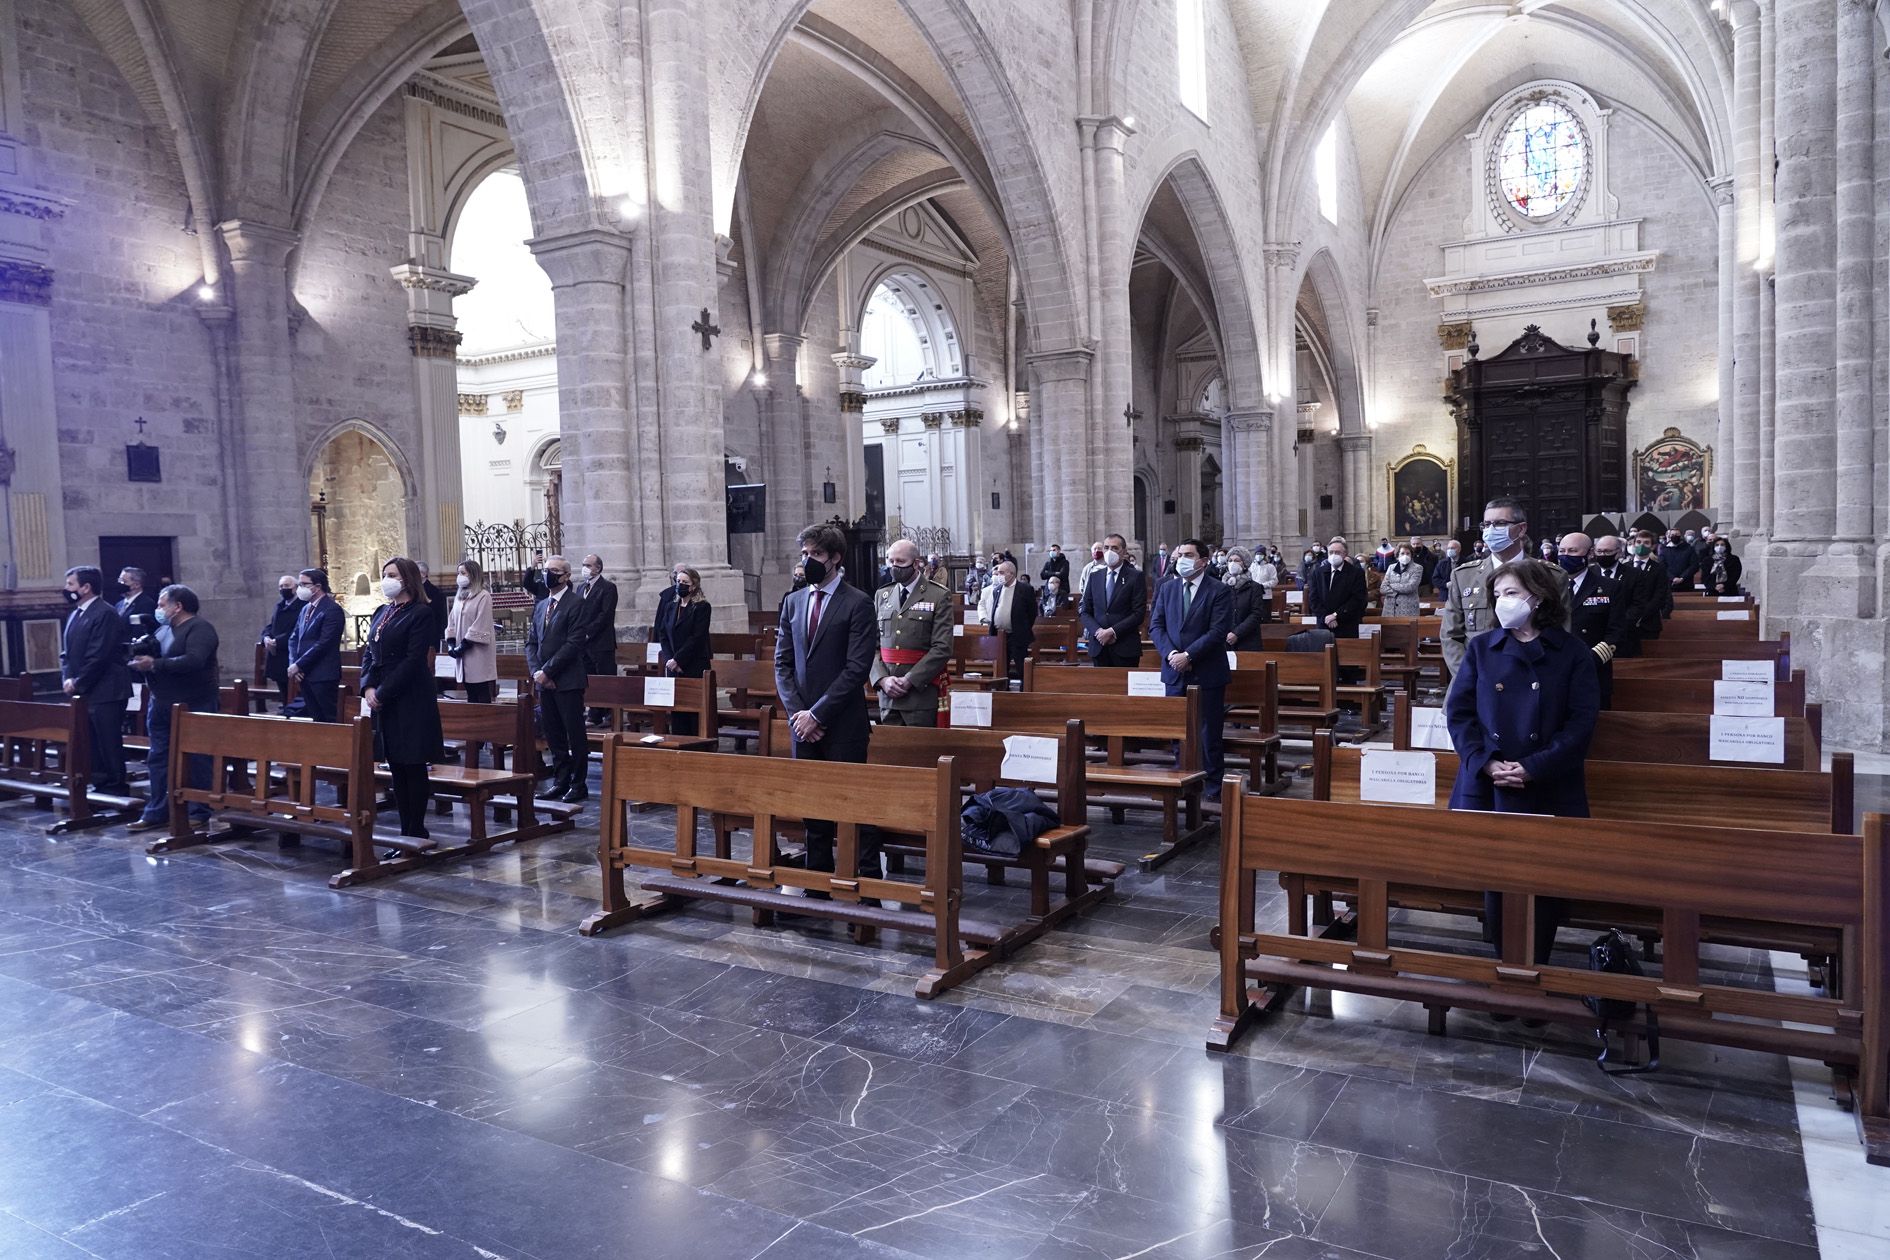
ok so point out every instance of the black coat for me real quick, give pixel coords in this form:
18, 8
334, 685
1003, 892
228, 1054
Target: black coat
1124, 614
1058, 567
1682, 564
92, 653
394, 664
1338, 592
1601, 610
280, 626
439, 608
600, 600
683, 633
1656, 603
186, 672
828, 675
1252, 609
1639, 595
139, 613
1734, 569
556, 643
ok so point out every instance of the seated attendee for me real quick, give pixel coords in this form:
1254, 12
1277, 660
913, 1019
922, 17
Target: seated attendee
1251, 610
470, 638
1722, 570
1052, 599
182, 675
1522, 710
1398, 590
315, 649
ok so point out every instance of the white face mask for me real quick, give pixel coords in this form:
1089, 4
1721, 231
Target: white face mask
390, 587
305, 593
1404, 557
1513, 611
589, 572
1112, 557
1335, 558
1185, 565
463, 582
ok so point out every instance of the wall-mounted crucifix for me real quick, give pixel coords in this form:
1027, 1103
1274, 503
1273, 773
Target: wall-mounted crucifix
142, 461
1131, 414
703, 328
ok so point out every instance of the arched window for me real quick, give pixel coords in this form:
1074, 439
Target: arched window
906, 328
1326, 175
1191, 54
1541, 158
511, 305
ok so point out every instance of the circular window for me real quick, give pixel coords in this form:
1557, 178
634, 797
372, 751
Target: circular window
1542, 157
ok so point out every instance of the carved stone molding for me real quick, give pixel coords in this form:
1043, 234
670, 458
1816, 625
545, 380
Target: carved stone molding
473, 404
26, 283
1721, 187
852, 402
889, 426
1189, 444
969, 418
1631, 317
431, 279
1281, 253
444, 93
514, 399
428, 342
1454, 335
30, 206
932, 419
1259, 421
1632, 265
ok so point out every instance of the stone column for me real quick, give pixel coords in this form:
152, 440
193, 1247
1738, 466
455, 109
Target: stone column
1111, 473
1741, 451
1305, 492
785, 444
1188, 492
600, 509
1856, 240
1356, 461
33, 549
272, 494
1721, 493
433, 336
966, 434
1768, 266
851, 363
1059, 408
1246, 481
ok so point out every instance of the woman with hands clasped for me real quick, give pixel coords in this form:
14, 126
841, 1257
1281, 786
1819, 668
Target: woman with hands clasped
1521, 713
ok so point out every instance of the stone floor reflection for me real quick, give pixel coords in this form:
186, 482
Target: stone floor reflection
214, 1054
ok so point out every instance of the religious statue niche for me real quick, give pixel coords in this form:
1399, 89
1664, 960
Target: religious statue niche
1544, 424
1421, 493
1673, 473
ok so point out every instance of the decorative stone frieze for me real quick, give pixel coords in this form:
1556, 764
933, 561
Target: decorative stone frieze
26, 283
428, 342
473, 404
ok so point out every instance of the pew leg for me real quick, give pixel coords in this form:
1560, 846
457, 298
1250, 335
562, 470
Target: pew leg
1322, 909
895, 862
476, 808
1040, 888
994, 875
1295, 905
1438, 1020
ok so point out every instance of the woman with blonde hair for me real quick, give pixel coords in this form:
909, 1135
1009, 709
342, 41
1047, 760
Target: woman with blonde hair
682, 631
470, 639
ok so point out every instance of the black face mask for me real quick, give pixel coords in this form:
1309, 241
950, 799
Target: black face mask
902, 573
287, 593
72, 597
556, 579
815, 569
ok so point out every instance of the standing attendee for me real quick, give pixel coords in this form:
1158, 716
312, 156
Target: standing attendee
397, 687
1469, 606
1308, 565
1251, 606
681, 633
823, 656
1058, 567
599, 594
533, 578
1114, 604
1265, 570
92, 669
1521, 712
1683, 563
554, 653
1010, 605
1657, 578
315, 650
935, 571
1095, 565
470, 638
1190, 624
976, 580
1338, 592
914, 616
275, 635
1424, 558
1440, 572
1399, 590
1162, 572
1636, 593
137, 606
437, 608
1381, 558
1722, 570
182, 675
1598, 608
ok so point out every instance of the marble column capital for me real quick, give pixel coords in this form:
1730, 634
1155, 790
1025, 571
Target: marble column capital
25, 283
1355, 442
1721, 186
421, 278
591, 256
1104, 131
1253, 420
32, 205
856, 362
256, 241
1282, 254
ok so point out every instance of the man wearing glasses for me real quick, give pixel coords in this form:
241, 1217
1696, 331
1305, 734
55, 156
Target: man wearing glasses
1469, 608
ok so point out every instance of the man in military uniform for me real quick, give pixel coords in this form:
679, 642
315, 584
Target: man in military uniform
1469, 608
915, 640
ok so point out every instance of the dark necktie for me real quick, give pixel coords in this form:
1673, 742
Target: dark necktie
813, 618
903, 592
1187, 599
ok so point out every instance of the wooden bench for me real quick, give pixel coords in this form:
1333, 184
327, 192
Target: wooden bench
1114, 784
46, 757
980, 659
625, 699
1054, 641
18, 687
1833, 882
901, 799
1695, 695
1714, 647
1398, 644
1703, 666
505, 726
1309, 685
750, 688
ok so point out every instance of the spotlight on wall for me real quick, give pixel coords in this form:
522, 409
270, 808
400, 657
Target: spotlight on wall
206, 293
760, 380
627, 208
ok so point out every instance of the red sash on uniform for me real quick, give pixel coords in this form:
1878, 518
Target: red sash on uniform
912, 656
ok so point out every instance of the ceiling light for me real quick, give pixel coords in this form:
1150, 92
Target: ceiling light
206, 293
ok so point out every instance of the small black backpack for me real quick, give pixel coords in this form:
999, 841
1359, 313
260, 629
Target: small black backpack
1613, 952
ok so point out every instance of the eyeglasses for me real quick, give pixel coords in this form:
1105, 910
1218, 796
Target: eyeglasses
1495, 524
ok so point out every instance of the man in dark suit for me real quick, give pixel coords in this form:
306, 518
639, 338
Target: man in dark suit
315, 650
439, 608
1636, 594
828, 640
1190, 622
1115, 602
138, 607
92, 668
1337, 594
1009, 604
554, 652
1599, 613
1682, 561
275, 635
1657, 579
600, 601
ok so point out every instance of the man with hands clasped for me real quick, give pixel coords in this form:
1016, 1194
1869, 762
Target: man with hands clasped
1190, 624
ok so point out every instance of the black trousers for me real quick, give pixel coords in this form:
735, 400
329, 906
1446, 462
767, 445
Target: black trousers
1604, 675
820, 831
1550, 911
107, 720
317, 700
411, 795
482, 693
562, 712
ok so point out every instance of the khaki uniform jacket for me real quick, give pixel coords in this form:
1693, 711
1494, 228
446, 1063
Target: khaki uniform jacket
1470, 609
923, 625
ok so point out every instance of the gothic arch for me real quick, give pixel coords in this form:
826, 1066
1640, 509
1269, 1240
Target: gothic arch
935, 324
374, 433
1340, 340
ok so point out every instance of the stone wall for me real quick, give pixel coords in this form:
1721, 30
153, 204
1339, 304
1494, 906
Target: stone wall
367, 519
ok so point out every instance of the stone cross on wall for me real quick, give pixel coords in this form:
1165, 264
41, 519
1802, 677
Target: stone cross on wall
705, 329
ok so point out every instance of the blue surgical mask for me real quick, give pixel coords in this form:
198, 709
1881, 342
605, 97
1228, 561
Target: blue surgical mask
163, 616
1184, 565
1499, 537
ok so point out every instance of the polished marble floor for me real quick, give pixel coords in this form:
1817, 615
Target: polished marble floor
213, 1055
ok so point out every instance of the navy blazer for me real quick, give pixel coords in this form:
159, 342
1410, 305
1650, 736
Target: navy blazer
92, 653
1124, 614
556, 644
1532, 703
315, 645
1202, 633
828, 675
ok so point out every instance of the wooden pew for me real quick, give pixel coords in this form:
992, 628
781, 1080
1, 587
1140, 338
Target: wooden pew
1697, 665
759, 621
1309, 684
902, 799
1716, 647
1801, 878
1115, 784
1054, 642
16, 687
751, 690
980, 659
1398, 643
46, 757
1695, 695
624, 697
506, 726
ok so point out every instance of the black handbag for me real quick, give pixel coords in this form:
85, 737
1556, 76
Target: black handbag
1614, 953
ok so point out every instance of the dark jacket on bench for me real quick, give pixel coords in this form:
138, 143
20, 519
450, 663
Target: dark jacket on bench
1532, 703
186, 673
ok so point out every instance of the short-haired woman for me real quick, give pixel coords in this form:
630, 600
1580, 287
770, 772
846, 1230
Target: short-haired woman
682, 631
470, 639
1521, 711
398, 688
1252, 608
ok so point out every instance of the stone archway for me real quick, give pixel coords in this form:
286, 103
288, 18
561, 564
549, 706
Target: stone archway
364, 518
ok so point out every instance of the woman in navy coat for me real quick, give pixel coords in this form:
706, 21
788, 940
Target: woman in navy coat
1521, 713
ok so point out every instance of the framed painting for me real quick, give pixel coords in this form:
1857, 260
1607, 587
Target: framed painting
1422, 488
1672, 474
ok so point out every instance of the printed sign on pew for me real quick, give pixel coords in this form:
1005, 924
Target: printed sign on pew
1397, 778
971, 708
1429, 729
1146, 682
659, 693
1742, 698
1758, 740
1027, 758
1747, 671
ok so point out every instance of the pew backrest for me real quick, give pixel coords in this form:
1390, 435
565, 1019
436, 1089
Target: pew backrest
1115, 718
627, 695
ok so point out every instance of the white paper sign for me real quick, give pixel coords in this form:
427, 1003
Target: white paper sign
1743, 614
1429, 729
508, 688
1146, 682
1397, 778
1732, 599
971, 708
442, 666
1369, 632
659, 693
971, 617
1028, 758
1747, 671
137, 698
365, 711
652, 654
1760, 739
1743, 699
1309, 621
1295, 597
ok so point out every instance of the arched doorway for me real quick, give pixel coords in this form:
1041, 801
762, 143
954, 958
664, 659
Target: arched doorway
360, 517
